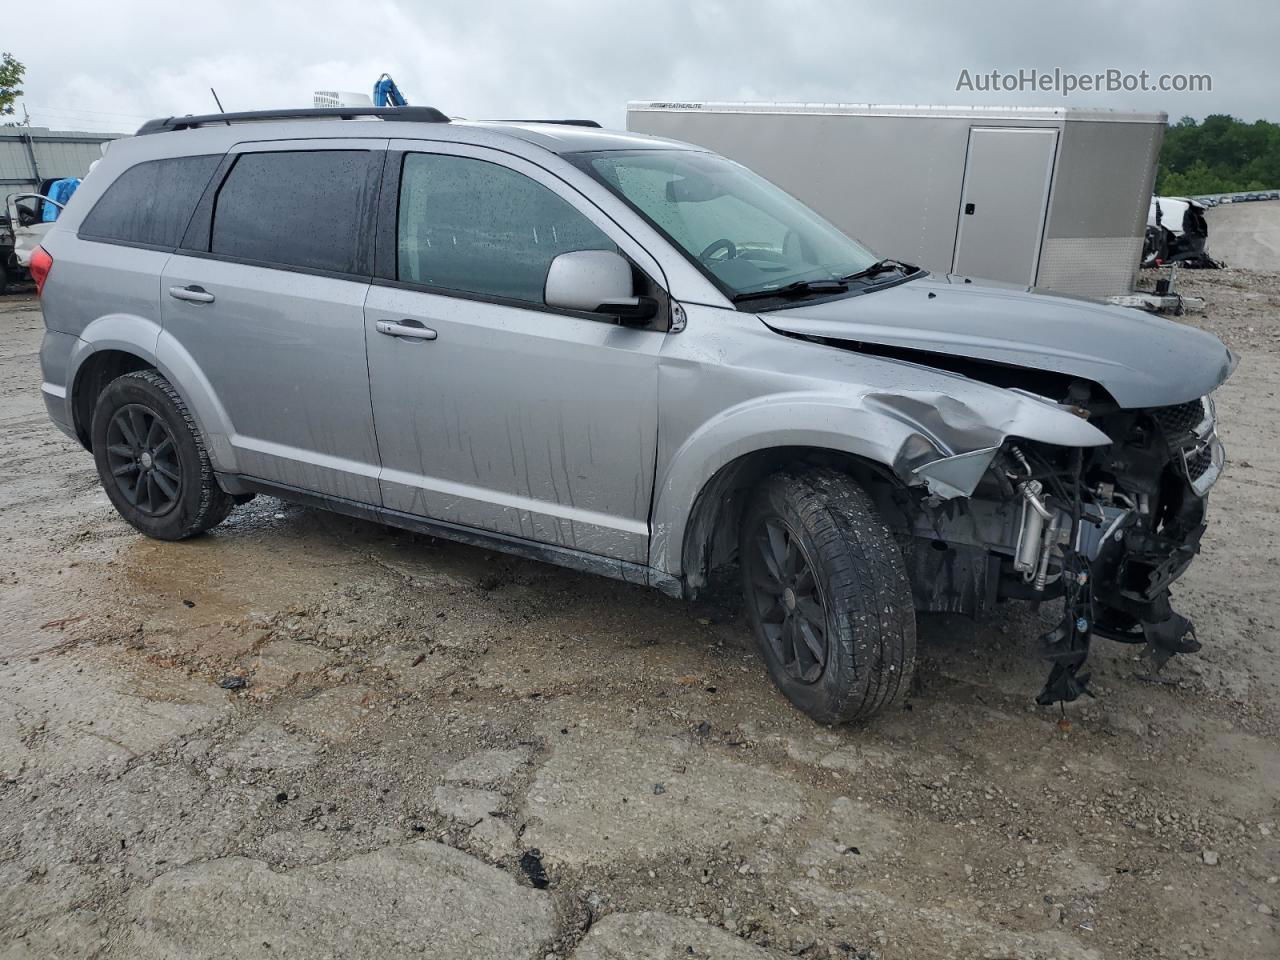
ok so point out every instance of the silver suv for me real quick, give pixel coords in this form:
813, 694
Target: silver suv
629, 356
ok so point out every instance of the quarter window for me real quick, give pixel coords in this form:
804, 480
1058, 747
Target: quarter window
478, 227
150, 203
299, 209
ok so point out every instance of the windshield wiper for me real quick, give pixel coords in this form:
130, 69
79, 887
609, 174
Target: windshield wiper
797, 289
803, 287
879, 267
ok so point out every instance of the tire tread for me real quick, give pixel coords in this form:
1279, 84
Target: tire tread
214, 504
867, 588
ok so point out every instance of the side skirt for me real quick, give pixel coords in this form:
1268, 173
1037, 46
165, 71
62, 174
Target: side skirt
503, 543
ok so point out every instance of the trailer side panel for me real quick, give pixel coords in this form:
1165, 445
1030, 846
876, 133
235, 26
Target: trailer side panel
1098, 210
893, 178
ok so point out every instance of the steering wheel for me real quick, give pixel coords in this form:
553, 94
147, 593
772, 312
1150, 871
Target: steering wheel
715, 246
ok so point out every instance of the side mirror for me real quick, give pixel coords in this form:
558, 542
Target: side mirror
597, 281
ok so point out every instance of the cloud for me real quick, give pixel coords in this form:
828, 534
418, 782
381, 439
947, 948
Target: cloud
111, 67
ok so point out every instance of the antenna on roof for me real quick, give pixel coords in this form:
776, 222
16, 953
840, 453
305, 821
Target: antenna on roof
219, 104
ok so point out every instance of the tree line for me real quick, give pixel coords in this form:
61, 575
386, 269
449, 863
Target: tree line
1219, 155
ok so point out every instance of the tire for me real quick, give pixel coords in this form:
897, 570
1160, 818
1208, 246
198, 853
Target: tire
152, 460
861, 660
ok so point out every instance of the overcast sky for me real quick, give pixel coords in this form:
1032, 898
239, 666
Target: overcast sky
108, 66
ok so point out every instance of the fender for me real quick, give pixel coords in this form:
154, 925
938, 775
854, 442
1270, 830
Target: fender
124, 332
926, 438
145, 338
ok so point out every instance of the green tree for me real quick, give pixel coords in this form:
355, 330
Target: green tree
11, 72
1219, 155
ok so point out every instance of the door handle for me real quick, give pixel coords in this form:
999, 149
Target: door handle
410, 329
192, 293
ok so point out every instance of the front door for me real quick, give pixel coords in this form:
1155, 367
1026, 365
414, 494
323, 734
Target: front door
268, 301
1004, 201
492, 410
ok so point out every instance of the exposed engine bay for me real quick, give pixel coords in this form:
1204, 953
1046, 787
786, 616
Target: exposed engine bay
1107, 529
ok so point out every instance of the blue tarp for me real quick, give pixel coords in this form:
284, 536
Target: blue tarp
61, 191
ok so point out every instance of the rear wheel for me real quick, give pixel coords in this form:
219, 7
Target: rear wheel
827, 595
152, 459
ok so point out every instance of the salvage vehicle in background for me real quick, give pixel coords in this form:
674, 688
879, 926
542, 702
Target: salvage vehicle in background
632, 357
1176, 231
41, 170
21, 229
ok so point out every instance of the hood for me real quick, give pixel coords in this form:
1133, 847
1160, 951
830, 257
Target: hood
1140, 359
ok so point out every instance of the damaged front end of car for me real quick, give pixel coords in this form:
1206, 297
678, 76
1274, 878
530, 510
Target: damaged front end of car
1067, 454
1105, 527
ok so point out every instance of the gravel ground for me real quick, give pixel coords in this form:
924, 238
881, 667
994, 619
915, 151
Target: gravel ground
305, 736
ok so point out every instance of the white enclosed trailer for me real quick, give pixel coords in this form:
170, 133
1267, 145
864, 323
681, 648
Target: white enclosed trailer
1054, 198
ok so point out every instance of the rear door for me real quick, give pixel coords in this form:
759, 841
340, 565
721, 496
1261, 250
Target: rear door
1007, 175
124, 241
267, 296
502, 413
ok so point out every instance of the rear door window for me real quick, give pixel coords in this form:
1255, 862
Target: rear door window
308, 209
150, 204
478, 227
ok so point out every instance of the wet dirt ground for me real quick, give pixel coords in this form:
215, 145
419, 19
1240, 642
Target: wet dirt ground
305, 736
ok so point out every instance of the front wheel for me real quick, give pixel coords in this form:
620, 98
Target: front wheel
827, 595
152, 460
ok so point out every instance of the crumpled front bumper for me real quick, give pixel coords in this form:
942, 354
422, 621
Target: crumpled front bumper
1133, 567
1122, 592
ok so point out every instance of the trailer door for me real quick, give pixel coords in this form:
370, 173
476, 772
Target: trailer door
1007, 175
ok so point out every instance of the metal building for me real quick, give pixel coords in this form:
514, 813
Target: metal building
1054, 198
29, 156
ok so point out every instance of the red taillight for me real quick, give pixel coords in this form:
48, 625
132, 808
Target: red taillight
39, 267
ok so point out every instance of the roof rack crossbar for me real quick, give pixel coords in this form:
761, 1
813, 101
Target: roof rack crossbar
409, 114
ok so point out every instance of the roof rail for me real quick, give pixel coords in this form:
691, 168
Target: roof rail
567, 123
408, 114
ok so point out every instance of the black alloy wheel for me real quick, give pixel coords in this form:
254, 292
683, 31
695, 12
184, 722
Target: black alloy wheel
143, 459
788, 600
826, 594
152, 458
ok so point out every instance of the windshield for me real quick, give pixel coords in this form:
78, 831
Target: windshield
746, 233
